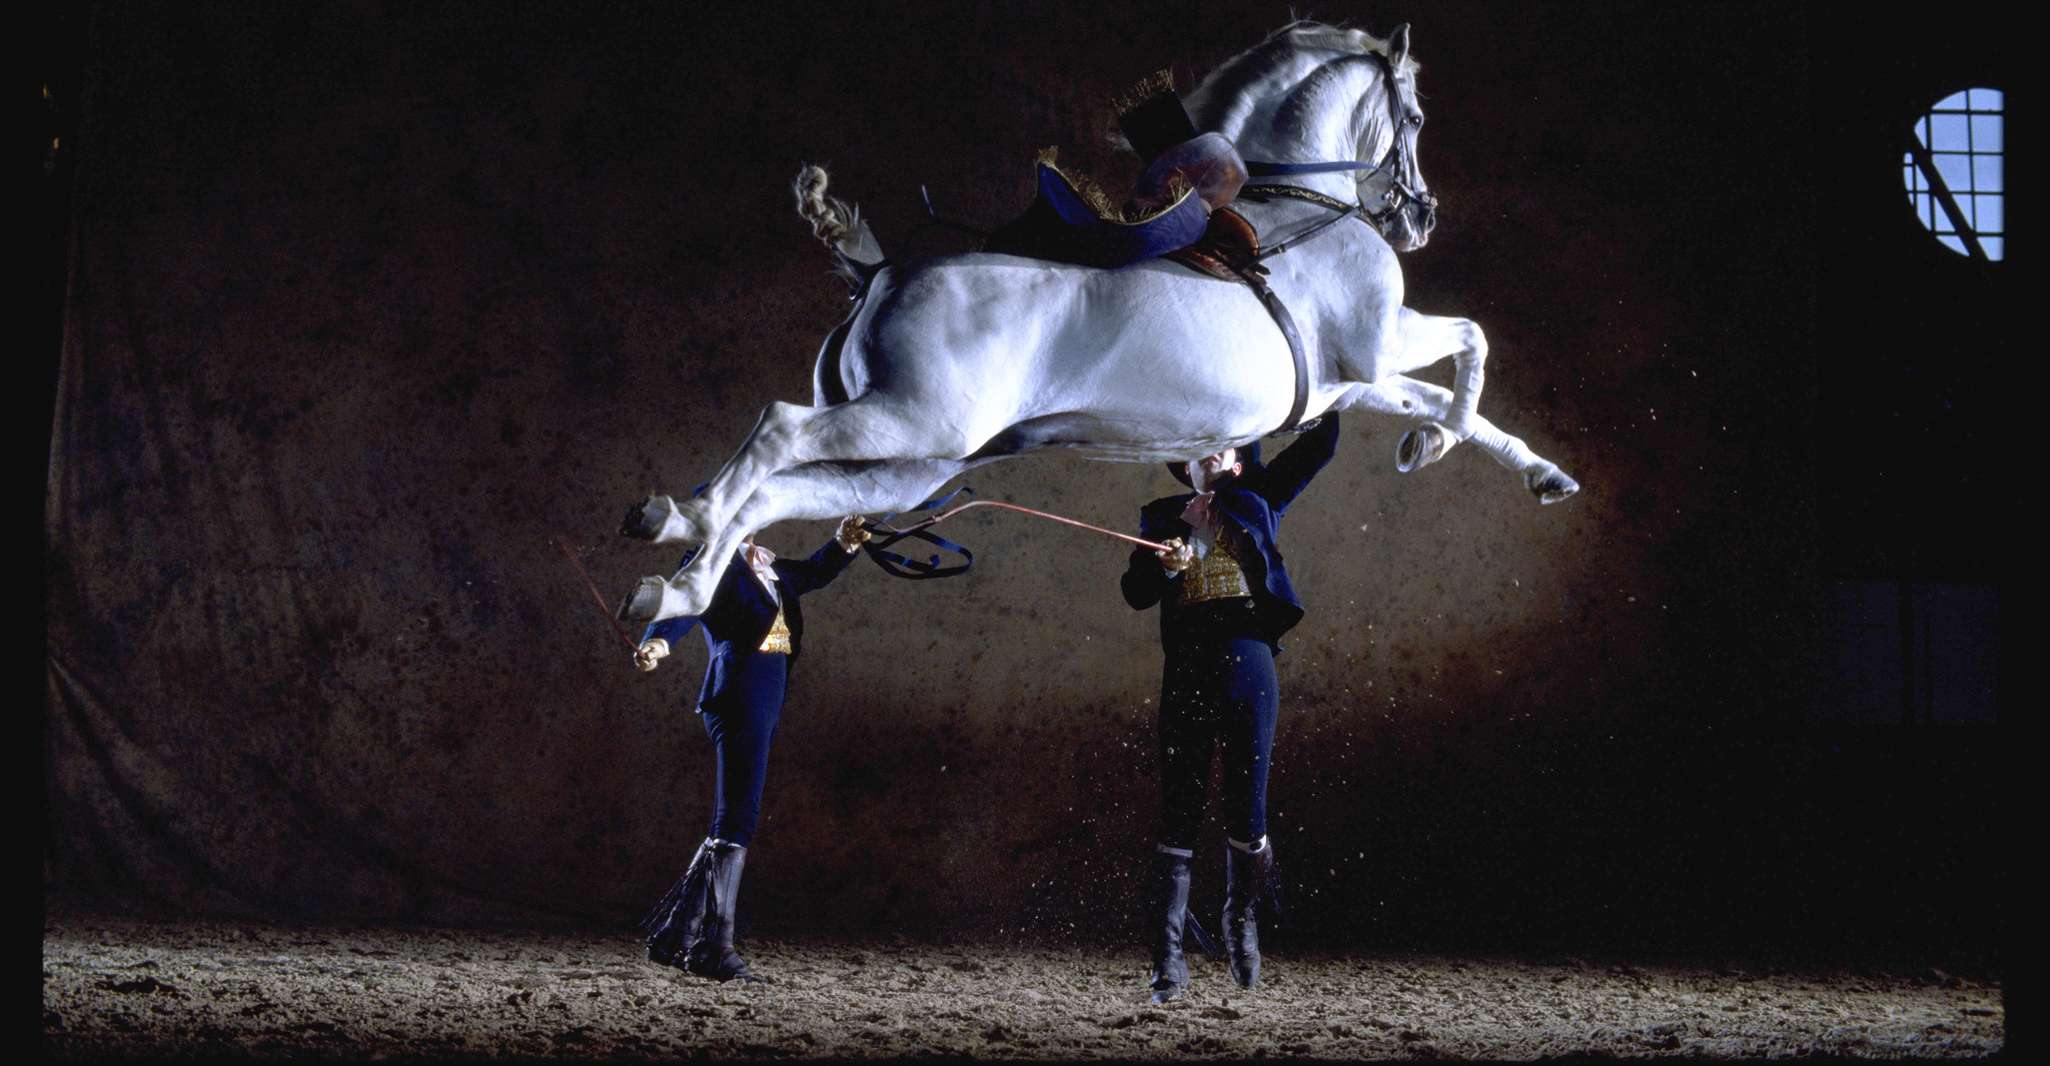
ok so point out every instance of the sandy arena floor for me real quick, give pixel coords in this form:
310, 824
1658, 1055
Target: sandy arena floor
115, 987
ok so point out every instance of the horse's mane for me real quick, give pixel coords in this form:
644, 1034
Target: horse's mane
1211, 100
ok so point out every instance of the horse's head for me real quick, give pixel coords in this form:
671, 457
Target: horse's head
1315, 94
1393, 193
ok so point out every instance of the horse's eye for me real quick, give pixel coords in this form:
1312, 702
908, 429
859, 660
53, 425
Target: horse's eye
1416, 120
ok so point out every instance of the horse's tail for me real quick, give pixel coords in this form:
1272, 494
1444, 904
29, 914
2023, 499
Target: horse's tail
840, 225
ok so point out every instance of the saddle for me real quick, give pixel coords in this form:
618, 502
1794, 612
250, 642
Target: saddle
1190, 176
1178, 212
1070, 221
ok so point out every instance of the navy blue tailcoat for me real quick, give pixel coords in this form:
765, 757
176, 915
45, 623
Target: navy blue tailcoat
742, 611
1254, 501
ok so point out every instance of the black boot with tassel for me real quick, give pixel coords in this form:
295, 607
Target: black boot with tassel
1248, 877
678, 918
710, 953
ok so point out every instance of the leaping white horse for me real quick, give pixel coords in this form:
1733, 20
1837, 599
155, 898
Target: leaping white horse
956, 361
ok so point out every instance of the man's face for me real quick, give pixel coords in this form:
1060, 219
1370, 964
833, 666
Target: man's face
1212, 469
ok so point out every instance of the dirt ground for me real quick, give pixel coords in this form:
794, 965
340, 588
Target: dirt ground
126, 987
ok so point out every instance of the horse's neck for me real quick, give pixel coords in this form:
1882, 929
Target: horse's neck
1324, 113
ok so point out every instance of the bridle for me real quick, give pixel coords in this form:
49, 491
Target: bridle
1394, 164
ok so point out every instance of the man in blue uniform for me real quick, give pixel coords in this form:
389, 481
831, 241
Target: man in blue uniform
754, 630
1225, 600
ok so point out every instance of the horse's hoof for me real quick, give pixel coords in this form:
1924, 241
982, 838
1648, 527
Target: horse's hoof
656, 519
1422, 446
642, 604
1550, 486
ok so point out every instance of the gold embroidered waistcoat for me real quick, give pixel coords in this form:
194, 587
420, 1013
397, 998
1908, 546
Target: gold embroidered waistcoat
778, 640
1216, 576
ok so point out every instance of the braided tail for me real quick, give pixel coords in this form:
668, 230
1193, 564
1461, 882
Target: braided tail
839, 225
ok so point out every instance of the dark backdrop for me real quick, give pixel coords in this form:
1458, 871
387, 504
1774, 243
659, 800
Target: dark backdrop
365, 304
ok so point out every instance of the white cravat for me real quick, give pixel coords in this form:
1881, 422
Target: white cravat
758, 560
1203, 519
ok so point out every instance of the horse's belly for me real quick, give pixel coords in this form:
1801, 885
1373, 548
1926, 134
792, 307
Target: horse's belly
1178, 358
1140, 363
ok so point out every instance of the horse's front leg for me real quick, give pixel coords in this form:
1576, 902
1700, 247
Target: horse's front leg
1425, 339
1409, 398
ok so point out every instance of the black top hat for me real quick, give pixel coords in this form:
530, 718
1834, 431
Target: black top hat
1249, 455
1153, 118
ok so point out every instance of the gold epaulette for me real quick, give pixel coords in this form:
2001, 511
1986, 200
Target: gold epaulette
778, 640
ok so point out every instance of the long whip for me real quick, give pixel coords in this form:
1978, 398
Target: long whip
631, 647
951, 512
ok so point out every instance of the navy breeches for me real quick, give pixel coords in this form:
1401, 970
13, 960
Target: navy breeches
742, 723
1217, 690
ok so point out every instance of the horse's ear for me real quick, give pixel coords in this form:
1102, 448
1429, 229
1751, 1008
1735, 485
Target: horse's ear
1398, 45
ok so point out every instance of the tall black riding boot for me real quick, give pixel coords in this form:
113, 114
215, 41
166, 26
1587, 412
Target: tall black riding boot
1170, 911
1246, 874
678, 919
711, 954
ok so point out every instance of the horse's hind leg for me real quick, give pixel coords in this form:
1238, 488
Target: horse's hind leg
664, 521
788, 435
1408, 398
810, 491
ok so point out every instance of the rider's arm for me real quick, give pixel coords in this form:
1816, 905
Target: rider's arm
1148, 573
832, 558
1290, 472
672, 630
1145, 580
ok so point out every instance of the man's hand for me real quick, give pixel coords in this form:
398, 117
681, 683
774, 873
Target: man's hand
1177, 557
651, 653
853, 532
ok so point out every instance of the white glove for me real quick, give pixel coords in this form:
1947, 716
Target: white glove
852, 533
651, 653
1178, 556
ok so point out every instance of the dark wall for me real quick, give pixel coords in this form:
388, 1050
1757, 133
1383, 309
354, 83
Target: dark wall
368, 304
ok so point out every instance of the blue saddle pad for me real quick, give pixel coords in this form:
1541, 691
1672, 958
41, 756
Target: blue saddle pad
1062, 226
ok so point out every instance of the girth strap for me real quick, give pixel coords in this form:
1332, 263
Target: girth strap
1252, 276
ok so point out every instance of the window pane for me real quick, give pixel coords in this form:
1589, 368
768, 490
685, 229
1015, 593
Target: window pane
1956, 171
1991, 212
1947, 133
1986, 174
1963, 135
1986, 133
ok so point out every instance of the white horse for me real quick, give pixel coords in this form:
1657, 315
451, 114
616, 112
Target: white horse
956, 361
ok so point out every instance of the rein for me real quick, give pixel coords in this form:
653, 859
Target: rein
1340, 212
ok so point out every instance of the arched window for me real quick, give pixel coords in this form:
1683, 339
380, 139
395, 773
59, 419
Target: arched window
1955, 175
